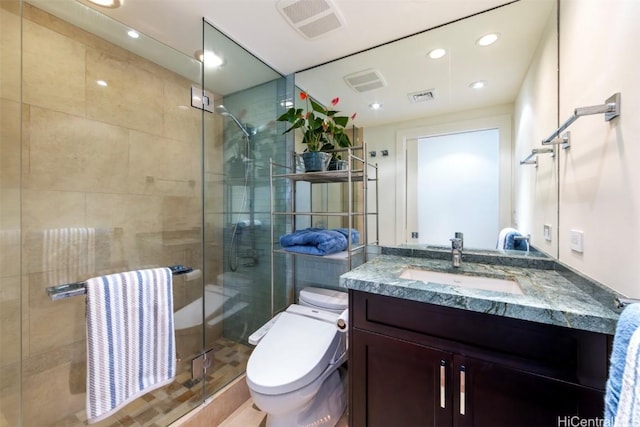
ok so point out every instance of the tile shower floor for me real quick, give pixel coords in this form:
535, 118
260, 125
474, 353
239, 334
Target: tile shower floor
161, 407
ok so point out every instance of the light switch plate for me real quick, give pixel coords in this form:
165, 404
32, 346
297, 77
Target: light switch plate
576, 242
547, 232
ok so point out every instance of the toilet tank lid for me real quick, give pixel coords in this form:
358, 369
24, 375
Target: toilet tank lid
325, 298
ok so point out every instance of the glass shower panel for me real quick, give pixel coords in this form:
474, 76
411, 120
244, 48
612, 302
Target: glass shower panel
241, 135
111, 182
10, 256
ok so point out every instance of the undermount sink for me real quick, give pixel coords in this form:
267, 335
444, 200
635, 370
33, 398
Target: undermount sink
475, 282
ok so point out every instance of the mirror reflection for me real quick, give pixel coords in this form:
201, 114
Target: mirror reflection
466, 87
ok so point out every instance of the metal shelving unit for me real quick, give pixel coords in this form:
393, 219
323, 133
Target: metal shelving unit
359, 173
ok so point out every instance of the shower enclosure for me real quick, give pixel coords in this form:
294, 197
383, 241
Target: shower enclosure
240, 136
106, 166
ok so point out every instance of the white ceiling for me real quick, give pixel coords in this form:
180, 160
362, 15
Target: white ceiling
258, 26
406, 69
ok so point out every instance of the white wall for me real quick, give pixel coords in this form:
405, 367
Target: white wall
600, 173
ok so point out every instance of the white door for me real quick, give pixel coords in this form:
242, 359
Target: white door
453, 185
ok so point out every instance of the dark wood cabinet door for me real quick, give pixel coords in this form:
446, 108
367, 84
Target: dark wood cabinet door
397, 383
496, 395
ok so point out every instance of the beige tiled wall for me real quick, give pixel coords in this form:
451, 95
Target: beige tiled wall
123, 160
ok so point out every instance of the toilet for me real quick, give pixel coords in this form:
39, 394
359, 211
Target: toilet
293, 372
191, 314
215, 298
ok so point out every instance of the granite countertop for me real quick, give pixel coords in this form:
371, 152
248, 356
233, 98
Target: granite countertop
551, 296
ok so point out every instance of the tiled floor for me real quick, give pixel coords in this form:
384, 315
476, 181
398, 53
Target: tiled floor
248, 415
161, 407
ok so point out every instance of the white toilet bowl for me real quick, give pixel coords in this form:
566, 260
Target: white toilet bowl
214, 299
292, 373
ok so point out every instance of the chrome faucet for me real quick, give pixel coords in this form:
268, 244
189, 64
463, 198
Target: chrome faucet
456, 251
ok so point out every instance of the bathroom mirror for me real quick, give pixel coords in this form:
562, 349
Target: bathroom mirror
422, 97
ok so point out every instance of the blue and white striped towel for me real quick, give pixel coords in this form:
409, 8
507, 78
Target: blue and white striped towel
130, 338
622, 397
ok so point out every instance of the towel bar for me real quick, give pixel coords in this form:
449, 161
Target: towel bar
79, 288
610, 109
527, 237
535, 152
622, 302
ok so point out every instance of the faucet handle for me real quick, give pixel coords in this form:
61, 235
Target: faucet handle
456, 243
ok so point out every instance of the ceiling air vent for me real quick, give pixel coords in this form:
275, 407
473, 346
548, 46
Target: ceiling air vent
311, 18
423, 95
366, 80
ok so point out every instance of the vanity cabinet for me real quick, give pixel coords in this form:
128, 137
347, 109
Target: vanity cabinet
490, 394
418, 364
403, 382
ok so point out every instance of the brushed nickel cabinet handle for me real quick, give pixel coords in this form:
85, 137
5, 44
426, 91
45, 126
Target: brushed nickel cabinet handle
442, 383
462, 390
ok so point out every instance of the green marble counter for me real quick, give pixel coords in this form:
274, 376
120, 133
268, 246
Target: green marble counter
553, 294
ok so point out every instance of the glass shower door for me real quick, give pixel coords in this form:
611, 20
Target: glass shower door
10, 194
241, 135
107, 178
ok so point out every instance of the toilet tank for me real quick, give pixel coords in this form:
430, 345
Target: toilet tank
324, 299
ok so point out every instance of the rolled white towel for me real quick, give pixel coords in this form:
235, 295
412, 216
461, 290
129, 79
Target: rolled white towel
343, 321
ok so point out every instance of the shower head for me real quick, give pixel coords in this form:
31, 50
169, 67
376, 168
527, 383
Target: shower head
222, 110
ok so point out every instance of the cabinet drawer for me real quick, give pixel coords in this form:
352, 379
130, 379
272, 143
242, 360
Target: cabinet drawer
573, 355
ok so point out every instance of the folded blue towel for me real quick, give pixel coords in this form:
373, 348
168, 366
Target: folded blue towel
355, 235
314, 241
628, 323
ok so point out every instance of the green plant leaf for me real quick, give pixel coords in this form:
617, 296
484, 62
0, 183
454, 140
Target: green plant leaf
327, 146
291, 115
342, 139
317, 107
341, 120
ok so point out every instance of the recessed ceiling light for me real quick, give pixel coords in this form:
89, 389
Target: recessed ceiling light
133, 34
478, 85
487, 39
209, 58
437, 53
112, 4
375, 106
102, 83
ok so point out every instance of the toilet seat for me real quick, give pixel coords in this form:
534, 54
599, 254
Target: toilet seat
295, 352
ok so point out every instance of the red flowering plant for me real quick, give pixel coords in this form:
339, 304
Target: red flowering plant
322, 129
